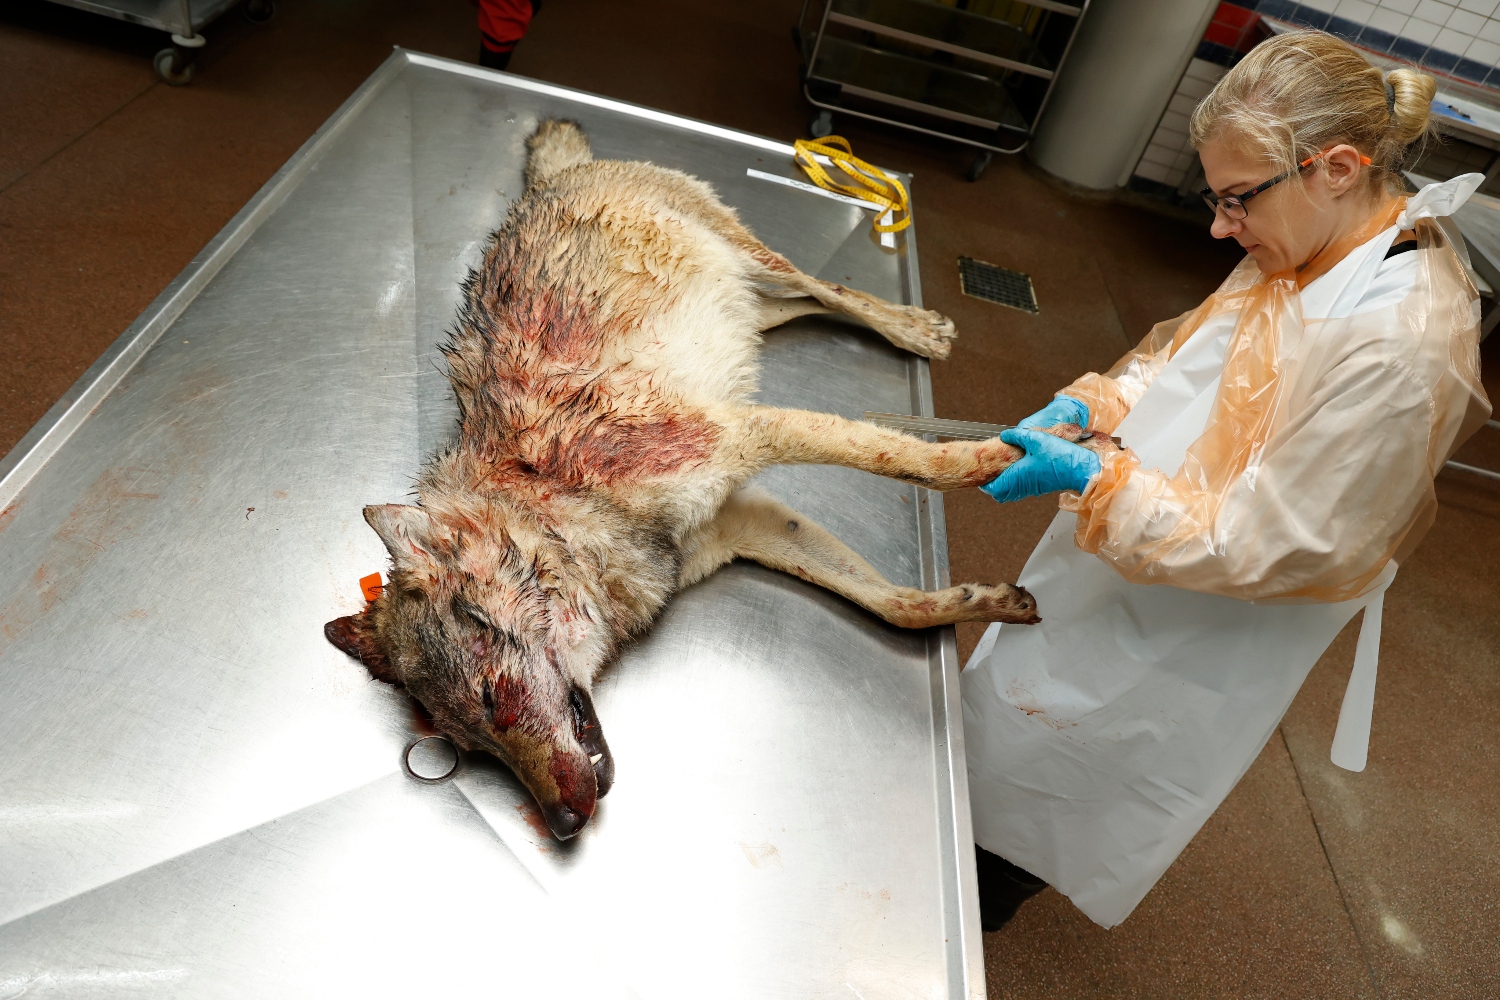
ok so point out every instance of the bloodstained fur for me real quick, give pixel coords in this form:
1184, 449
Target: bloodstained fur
590, 475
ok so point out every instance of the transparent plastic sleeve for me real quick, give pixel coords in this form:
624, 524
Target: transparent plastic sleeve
1316, 467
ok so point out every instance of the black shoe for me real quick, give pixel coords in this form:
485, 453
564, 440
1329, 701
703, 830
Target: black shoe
490, 59
1003, 887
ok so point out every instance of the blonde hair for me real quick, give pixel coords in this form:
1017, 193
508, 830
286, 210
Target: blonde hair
1300, 93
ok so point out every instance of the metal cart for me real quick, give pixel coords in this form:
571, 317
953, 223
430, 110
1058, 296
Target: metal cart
978, 72
182, 19
200, 797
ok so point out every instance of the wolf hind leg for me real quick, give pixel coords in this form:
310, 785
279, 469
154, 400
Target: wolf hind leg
774, 310
920, 331
754, 526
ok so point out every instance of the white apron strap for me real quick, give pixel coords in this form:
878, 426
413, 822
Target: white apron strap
1351, 740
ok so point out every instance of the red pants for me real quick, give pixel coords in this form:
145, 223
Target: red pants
502, 23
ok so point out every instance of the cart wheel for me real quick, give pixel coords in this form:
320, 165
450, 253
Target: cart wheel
822, 125
173, 68
976, 169
260, 11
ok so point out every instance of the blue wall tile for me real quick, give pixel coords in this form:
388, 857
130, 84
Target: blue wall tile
1374, 38
1470, 69
1310, 17
1439, 60
1405, 48
1344, 28
1216, 53
1276, 8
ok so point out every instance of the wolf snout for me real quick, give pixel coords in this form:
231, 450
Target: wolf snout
563, 821
574, 777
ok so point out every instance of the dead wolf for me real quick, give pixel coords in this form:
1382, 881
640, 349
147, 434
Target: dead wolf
603, 359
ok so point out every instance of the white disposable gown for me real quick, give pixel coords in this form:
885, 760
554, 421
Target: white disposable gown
1282, 441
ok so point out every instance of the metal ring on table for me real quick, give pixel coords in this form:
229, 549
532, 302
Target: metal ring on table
406, 760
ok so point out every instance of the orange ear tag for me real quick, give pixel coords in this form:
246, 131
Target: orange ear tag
371, 586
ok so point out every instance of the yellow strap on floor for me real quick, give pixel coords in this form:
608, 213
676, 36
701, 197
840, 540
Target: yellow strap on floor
874, 185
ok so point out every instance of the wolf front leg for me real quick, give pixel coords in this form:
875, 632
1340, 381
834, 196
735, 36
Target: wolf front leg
754, 526
766, 435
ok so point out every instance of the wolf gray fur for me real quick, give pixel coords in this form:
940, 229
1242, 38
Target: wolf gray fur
604, 359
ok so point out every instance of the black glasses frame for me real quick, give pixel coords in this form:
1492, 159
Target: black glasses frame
1233, 205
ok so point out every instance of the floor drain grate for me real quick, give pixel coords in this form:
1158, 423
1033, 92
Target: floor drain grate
996, 284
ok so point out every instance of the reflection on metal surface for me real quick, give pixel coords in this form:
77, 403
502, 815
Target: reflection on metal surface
212, 795
954, 430
431, 759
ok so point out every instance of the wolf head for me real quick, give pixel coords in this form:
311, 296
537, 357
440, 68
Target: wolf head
473, 623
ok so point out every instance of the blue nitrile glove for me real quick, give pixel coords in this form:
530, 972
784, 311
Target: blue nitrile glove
1050, 464
1062, 410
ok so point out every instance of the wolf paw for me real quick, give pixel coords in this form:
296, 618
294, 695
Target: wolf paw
1097, 442
921, 331
1001, 602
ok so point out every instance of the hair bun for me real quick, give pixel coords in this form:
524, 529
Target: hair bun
1410, 94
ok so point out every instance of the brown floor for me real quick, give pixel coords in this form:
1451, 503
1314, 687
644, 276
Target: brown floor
1309, 881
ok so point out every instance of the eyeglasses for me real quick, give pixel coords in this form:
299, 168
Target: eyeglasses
1233, 205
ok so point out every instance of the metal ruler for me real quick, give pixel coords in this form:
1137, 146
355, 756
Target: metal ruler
968, 430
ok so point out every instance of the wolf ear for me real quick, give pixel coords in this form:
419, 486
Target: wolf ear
410, 535
355, 635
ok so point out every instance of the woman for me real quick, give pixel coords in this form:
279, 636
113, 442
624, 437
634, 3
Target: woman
1280, 446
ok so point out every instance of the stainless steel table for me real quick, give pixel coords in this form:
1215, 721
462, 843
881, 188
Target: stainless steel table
200, 797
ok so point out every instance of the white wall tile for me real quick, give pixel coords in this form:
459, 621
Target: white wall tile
1151, 171
1176, 121
1326, 6
1355, 10
1167, 135
1421, 31
1466, 21
1404, 6
1202, 69
1172, 140
1182, 104
1388, 20
1194, 88
1453, 41
1163, 157
1484, 8
1484, 52
1491, 31
1434, 11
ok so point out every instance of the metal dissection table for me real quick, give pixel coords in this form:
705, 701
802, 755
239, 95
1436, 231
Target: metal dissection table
200, 797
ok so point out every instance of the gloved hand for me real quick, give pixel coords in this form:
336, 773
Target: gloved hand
1050, 464
1062, 410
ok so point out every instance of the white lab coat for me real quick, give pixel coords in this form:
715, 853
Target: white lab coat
1101, 740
